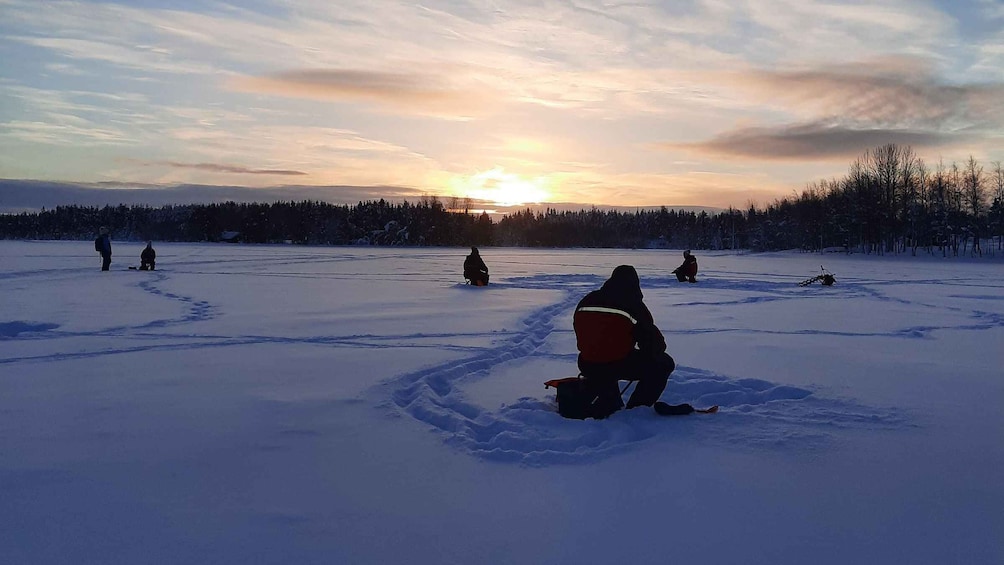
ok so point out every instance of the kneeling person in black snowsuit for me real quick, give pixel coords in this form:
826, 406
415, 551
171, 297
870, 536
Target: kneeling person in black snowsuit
475, 269
148, 258
687, 271
618, 340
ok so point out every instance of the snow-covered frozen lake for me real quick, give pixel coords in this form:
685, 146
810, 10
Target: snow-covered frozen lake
280, 404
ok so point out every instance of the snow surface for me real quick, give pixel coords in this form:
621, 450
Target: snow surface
280, 404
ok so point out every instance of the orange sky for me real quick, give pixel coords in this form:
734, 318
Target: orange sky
649, 103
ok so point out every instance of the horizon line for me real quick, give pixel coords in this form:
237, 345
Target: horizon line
25, 195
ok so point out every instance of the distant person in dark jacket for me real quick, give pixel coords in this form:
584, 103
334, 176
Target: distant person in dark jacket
688, 270
148, 258
475, 269
103, 245
618, 340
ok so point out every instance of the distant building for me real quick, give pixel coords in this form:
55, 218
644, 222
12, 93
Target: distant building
230, 236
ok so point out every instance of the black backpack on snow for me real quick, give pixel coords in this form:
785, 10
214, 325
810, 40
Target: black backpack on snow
578, 400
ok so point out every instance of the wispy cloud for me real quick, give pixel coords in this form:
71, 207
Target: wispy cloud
842, 110
812, 141
64, 133
415, 93
897, 92
137, 57
216, 168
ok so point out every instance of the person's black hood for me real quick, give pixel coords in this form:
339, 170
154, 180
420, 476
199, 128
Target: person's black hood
624, 282
474, 251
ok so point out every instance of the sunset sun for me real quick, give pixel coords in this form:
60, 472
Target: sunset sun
502, 188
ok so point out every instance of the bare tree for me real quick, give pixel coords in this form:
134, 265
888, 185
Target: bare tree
864, 209
916, 204
997, 205
974, 193
956, 211
884, 167
940, 207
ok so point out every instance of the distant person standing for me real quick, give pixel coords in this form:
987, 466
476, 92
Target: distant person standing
148, 258
475, 269
103, 245
688, 270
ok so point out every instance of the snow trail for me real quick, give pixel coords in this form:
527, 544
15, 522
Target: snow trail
529, 430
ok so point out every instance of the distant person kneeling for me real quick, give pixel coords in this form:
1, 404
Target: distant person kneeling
475, 270
688, 270
148, 258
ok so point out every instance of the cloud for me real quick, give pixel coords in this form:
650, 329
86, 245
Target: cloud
896, 92
212, 167
811, 141
131, 56
25, 195
76, 117
843, 110
413, 93
65, 133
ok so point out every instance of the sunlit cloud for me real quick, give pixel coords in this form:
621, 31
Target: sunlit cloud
899, 91
811, 141
845, 109
411, 92
524, 145
230, 169
692, 188
324, 156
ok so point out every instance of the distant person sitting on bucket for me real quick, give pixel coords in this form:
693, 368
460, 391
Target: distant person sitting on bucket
618, 340
103, 245
688, 270
475, 269
148, 258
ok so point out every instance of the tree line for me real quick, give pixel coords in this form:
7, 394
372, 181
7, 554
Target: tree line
889, 202
379, 222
